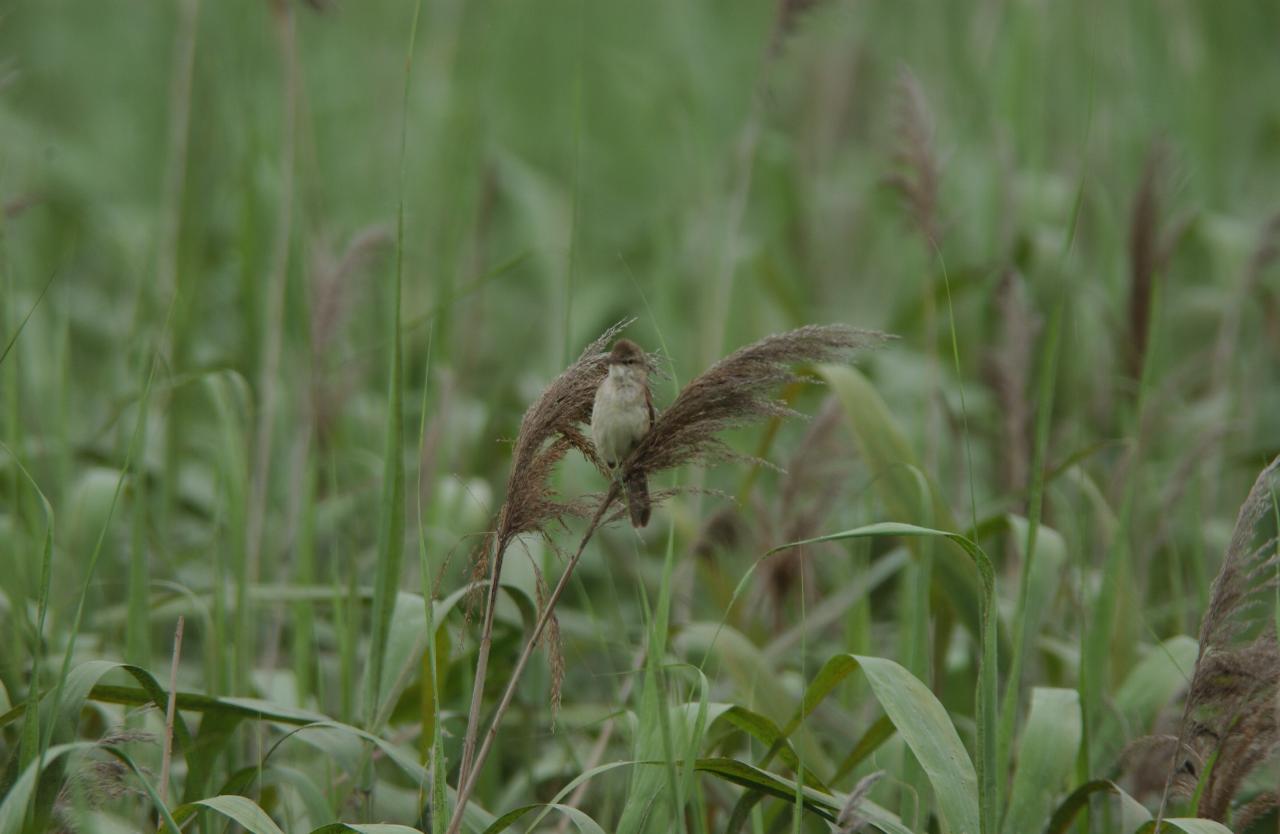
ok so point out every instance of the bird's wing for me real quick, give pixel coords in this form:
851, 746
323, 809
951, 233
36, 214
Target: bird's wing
648, 403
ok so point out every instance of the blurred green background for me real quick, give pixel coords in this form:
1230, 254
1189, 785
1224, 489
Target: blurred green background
215, 186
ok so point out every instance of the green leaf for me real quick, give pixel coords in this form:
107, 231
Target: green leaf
987, 695
755, 679
238, 809
1046, 757
364, 828
767, 732
1189, 825
584, 823
921, 721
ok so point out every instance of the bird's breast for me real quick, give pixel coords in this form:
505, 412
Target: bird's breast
619, 418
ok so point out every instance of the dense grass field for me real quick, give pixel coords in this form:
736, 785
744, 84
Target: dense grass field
279, 280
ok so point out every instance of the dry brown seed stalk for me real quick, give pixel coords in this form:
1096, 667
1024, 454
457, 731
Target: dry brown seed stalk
549, 428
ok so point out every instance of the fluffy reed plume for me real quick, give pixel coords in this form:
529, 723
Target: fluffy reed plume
919, 171
1009, 376
733, 392
1229, 722
736, 391
96, 782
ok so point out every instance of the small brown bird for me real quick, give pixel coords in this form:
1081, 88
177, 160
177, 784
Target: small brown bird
620, 416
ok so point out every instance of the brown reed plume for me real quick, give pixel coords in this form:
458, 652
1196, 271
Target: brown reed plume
1228, 724
733, 392
1152, 240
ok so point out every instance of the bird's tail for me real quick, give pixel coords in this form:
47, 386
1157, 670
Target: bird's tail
637, 490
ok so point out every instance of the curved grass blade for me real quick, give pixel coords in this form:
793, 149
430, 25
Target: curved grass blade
364, 828
1188, 825
239, 809
584, 823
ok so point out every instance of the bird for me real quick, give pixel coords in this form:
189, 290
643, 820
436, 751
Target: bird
621, 415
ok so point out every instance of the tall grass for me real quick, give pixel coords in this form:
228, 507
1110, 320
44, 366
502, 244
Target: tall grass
974, 593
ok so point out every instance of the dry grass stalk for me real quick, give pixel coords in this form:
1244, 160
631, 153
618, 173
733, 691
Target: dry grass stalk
734, 391
1150, 248
551, 426
1229, 719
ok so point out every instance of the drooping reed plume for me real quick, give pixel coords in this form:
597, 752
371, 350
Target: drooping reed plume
733, 392
1229, 724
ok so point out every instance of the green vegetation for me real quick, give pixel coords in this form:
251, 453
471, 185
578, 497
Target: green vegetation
278, 280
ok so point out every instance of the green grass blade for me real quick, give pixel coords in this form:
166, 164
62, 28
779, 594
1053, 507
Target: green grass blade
1046, 757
